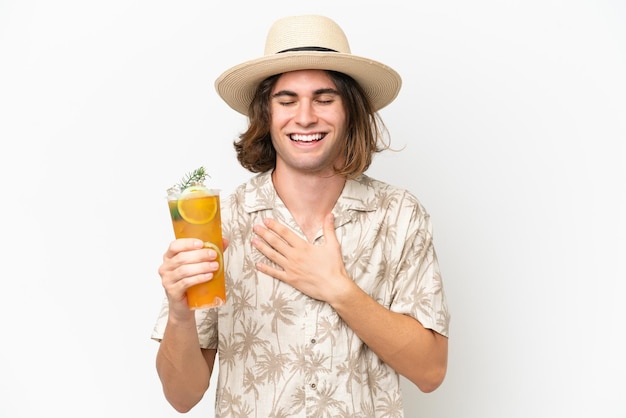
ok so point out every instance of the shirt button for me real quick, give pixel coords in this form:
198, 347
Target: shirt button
313, 340
313, 385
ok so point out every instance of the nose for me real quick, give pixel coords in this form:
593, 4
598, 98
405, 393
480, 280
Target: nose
305, 114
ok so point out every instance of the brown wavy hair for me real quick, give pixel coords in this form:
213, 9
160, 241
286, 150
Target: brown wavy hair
366, 133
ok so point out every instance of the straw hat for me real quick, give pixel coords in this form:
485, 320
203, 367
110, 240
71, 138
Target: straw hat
303, 43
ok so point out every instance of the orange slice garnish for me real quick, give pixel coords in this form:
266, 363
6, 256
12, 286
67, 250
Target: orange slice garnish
195, 206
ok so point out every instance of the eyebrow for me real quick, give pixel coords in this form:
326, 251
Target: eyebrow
315, 93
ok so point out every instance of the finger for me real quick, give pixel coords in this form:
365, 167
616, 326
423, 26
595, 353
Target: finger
177, 290
183, 244
176, 282
287, 235
189, 257
195, 269
188, 263
270, 237
268, 249
271, 271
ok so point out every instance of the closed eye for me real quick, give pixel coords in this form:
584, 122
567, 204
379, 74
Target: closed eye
325, 101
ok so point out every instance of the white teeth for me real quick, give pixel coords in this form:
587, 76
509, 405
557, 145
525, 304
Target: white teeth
306, 138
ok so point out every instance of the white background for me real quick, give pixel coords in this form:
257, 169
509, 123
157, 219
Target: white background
512, 119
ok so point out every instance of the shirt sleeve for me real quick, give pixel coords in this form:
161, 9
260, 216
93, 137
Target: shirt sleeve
418, 287
206, 324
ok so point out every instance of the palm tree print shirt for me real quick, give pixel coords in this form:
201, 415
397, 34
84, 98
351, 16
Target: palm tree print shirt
284, 354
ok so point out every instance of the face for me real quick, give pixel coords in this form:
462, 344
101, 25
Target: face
307, 123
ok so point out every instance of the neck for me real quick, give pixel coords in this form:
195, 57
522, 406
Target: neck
309, 197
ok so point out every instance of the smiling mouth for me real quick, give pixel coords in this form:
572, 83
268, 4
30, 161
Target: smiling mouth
307, 138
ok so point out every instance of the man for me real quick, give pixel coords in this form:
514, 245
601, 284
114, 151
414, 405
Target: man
334, 289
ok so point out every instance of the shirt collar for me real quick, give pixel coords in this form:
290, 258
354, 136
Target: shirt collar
357, 195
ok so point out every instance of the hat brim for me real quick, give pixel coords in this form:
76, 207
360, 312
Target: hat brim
237, 85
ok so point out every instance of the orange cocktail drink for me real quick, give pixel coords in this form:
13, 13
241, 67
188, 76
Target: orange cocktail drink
195, 213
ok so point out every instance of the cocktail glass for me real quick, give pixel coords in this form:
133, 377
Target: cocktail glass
195, 213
